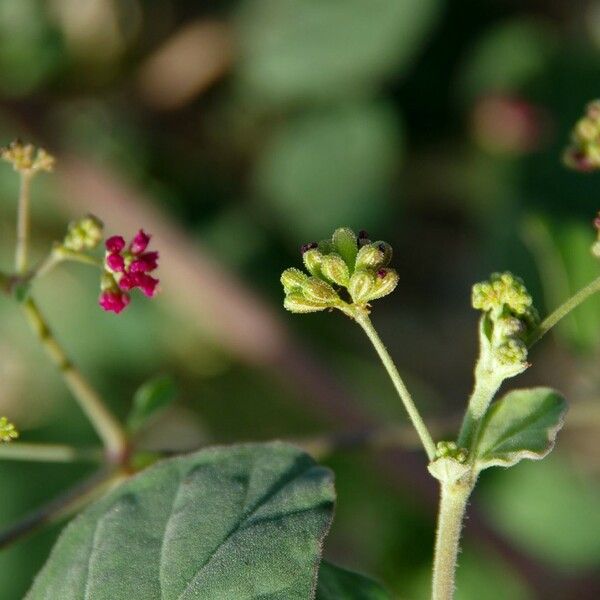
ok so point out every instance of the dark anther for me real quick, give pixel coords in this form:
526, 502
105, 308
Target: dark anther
310, 246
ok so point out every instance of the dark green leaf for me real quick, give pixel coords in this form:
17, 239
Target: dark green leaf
336, 583
522, 424
243, 522
150, 398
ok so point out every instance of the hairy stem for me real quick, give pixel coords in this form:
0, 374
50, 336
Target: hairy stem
563, 310
453, 504
107, 426
418, 423
22, 224
48, 453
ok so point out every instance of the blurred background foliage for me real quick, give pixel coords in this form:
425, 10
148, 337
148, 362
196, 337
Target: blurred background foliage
236, 130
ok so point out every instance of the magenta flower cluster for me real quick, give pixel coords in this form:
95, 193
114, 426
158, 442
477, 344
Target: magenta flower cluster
127, 268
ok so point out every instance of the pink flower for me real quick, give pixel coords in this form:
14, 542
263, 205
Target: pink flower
114, 301
126, 269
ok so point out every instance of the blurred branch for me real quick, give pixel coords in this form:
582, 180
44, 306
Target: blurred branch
187, 63
49, 452
61, 507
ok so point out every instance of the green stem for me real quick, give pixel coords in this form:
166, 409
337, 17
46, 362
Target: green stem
48, 452
22, 224
60, 254
563, 310
453, 504
107, 426
418, 423
484, 390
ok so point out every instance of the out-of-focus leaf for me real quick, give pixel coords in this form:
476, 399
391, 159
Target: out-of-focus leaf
330, 168
549, 510
303, 50
151, 397
336, 583
507, 57
243, 522
522, 424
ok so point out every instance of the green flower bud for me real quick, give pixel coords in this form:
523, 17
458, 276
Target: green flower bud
297, 303
502, 289
312, 261
361, 286
317, 290
325, 247
84, 234
345, 244
450, 449
335, 269
8, 431
385, 283
292, 280
512, 352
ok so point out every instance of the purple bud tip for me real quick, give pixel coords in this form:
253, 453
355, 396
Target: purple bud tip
382, 273
597, 222
363, 235
310, 246
381, 247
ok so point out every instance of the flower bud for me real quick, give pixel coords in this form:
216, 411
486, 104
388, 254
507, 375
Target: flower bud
312, 261
370, 257
385, 283
297, 303
292, 280
335, 269
345, 244
512, 352
84, 234
8, 431
317, 290
361, 286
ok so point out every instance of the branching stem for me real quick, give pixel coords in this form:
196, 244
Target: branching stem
22, 224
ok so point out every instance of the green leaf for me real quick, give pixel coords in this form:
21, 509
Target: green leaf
243, 522
522, 424
150, 398
302, 50
336, 583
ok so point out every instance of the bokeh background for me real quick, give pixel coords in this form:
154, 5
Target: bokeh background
237, 130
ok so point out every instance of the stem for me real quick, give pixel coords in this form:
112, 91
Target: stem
48, 452
22, 224
418, 423
453, 503
60, 254
484, 390
563, 310
107, 426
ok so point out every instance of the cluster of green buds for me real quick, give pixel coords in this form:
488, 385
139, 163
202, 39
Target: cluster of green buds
509, 318
345, 272
84, 234
583, 153
8, 432
26, 158
449, 463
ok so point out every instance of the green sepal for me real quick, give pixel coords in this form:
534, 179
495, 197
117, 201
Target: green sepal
523, 424
345, 244
369, 257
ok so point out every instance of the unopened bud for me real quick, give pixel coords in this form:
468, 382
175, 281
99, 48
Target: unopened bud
370, 257
335, 269
312, 261
385, 283
292, 280
317, 290
84, 234
361, 286
297, 303
8, 431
